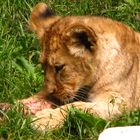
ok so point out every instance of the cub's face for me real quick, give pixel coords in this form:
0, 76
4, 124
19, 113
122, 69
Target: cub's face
66, 56
77, 52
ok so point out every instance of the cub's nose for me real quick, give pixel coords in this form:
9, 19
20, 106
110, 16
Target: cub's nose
54, 100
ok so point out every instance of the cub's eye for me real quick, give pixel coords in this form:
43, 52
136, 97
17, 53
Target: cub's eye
59, 68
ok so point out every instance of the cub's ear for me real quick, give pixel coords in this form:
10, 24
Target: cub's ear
80, 40
41, 18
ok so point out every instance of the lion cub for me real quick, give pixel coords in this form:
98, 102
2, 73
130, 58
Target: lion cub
89, 62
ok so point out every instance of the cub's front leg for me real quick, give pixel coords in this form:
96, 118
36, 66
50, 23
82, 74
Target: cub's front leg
54, 118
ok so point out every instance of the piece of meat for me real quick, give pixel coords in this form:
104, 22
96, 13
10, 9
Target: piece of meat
4, 106
33, 106
29, 106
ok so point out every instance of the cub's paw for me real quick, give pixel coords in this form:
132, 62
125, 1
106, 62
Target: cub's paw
48, 119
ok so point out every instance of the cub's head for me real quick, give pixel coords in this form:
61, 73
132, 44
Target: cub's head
69, 53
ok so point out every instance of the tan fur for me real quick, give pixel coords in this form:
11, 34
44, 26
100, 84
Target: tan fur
110, 67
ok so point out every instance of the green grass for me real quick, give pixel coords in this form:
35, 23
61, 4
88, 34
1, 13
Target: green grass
21, 74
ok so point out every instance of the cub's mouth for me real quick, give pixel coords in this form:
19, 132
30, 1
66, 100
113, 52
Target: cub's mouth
81, 95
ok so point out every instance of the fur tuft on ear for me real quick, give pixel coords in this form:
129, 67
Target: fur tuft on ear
41, 17
83, 39
80, 39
